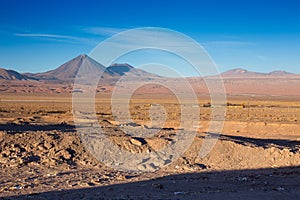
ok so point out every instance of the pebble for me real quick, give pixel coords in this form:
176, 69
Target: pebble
179, 193
279, 188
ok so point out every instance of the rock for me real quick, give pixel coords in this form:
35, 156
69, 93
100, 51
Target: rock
201, 166
2, 135
136, 142
242, 179
3, 160
157, 143
48, 145
65, 154
41, 147
279, 188
120, 177
35, 144
179, 193
17, 187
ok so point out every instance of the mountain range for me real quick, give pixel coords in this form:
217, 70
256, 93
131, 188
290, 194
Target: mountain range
67, 72
60, 80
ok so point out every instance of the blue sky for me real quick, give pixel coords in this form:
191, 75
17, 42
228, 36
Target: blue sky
257, 35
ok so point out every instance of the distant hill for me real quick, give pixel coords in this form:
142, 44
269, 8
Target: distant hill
280, 73
239, 72
119, 69
11, 75
126, 69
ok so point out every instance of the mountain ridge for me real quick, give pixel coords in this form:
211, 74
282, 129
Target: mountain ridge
8, 74
67, 72
61, 80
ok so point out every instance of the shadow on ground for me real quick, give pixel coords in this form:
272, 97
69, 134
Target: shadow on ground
271, 183
258, 142
13, 128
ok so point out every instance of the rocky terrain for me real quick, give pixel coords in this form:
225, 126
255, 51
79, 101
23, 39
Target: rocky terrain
42, 155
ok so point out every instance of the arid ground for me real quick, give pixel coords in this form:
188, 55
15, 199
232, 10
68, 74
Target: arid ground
257, 155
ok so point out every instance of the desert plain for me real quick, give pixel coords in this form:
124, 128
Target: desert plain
256, 156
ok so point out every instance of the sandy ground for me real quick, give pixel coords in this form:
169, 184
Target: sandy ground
257, 155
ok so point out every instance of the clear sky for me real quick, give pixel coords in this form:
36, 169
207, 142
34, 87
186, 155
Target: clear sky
259, 35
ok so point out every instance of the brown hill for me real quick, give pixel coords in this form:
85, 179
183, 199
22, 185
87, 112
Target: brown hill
280, 73
7, 74
239, 72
